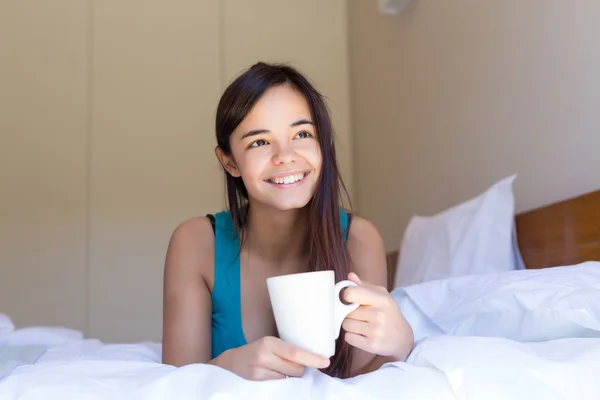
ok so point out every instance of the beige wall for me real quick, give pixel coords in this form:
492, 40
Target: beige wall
450, 96
107, 138
43, 123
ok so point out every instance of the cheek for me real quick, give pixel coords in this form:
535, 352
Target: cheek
317, 161
311, 152
251, 163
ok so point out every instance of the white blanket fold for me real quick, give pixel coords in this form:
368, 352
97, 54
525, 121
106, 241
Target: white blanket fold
519, 335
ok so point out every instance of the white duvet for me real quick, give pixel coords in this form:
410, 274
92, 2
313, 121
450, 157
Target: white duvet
516, 335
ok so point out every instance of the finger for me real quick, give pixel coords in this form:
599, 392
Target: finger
363, 295
266, 374
358, 341
354, 278
286, 367
299, 356
364, 313
358, 327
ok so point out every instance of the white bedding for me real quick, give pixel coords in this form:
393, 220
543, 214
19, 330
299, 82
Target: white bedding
443, 365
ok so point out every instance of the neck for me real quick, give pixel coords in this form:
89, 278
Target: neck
276, 236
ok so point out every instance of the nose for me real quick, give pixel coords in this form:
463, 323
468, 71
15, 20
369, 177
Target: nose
284, 154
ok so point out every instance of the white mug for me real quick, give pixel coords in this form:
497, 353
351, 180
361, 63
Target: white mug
308, 310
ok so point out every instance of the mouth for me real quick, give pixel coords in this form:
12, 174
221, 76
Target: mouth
288, 180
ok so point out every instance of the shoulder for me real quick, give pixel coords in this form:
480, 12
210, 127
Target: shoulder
363, 234
367, 251
191, 247
194, 231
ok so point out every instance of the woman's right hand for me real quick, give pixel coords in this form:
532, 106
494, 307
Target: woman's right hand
269, 358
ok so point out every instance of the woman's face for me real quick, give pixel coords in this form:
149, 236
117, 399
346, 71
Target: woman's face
276, 152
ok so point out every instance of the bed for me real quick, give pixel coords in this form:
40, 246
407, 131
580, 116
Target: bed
532, 333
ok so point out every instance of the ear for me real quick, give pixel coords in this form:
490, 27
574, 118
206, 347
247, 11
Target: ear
227, 162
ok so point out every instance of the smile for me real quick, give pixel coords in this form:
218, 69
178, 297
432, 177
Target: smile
288, 179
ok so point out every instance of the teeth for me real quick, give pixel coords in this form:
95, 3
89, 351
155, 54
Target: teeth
286, 180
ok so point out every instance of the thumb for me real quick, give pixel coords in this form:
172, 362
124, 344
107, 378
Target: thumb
354, 278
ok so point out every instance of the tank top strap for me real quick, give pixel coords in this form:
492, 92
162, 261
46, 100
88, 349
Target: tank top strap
227, 329
345, 220
227, 243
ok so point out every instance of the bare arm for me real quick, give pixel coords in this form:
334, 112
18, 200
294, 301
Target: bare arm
186, 296
368, 261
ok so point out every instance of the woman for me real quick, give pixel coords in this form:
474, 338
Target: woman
276, 146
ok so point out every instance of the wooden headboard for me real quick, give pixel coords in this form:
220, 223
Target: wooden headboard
563, 233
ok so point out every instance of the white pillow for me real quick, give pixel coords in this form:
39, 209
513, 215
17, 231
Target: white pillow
6, 324
470, 238
527, 305
40, 336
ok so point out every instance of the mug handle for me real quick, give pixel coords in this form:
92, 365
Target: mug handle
341, 310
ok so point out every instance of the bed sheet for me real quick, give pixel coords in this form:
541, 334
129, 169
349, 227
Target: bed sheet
442, 365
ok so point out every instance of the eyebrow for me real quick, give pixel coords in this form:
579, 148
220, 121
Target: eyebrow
302, 122
259, 131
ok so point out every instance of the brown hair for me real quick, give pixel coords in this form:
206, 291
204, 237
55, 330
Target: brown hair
325, 240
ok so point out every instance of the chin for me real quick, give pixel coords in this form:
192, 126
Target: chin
289, 205
284, 203
285, 200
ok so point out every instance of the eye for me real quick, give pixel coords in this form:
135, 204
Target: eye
258, 143
304, 135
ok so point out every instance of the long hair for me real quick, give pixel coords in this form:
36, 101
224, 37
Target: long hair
325, 241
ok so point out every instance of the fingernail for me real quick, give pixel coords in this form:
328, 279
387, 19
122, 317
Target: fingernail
325, 363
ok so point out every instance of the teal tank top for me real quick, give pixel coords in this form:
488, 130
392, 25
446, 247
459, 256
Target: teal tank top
227, 331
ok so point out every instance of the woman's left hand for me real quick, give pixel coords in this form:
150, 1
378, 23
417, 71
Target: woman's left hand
377, 326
